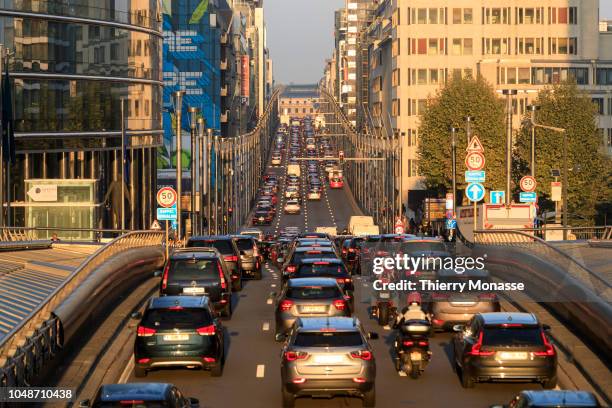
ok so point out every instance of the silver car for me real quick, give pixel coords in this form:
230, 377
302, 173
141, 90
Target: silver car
309, 297
325, 357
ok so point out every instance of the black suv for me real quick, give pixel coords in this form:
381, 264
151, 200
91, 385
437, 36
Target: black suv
326, 268
140, 394
504, 347
198, 272
178, 331
227, 247
249, 256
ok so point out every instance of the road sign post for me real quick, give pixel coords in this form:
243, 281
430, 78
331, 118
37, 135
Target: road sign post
475, 193
528, 184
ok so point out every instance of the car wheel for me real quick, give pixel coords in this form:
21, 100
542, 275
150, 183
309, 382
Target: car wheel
227, 311
383, 314
288, 399
550, 383
217, 369
467, 381
140, 372
369, 398
237, 285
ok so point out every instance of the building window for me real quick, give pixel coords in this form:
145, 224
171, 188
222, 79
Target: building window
529, 46
529, 15
395, 77
563, 15
463, 16
462, 46
496, 15
553, 75
413, 168
395, 48
496, 46
395, 107
600, 105
563, 46
604, 76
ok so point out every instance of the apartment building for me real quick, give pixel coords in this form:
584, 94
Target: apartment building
298, 101
415, 46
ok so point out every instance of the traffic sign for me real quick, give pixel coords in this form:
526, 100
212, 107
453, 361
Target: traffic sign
475, 176
474, 145
167, 214
555, 191
528, 184
497, 197
450, 203
399, 226
475, 191
528, 197
475, 161
166, 197
155, 225
43, 192
451, 224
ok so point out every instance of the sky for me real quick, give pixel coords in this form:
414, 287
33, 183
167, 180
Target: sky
301, 36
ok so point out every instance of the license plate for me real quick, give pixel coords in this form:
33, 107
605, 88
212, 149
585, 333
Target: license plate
261, 218
194, 291
327, 359
384, 295
513, 355
176, 337
313, 309
415, 356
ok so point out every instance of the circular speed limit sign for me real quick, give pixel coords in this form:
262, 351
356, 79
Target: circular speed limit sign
528, 184
166, 197
475, 161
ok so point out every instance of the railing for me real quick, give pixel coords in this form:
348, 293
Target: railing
573, 233
19, 234
38, 337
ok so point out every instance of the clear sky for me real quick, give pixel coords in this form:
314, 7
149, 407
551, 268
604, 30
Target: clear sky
301, 36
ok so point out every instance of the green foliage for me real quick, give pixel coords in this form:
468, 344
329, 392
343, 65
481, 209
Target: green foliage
568, 107
462, 97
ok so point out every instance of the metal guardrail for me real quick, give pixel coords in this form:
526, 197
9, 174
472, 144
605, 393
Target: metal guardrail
19, 234
38, 337
552, 254
574, 233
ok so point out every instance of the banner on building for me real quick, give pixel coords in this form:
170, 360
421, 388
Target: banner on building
245, 78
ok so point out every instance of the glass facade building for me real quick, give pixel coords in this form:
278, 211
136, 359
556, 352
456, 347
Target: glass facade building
72, 63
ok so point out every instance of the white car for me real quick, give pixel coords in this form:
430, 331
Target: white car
292, 192
292, 207
314, 195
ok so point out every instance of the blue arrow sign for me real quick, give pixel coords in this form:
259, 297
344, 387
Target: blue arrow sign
497, 197
475, 191
528, 197
451, 224
167, 214
475, 176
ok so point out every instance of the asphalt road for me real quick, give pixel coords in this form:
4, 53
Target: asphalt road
252, 371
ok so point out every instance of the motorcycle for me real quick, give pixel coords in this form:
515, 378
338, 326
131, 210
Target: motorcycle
384, 311
412, 352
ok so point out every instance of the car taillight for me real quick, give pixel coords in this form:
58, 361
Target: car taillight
175, 308
550, 350
423, 343
143, 360
487, 296
299, 380
145, 331
290, 268
131, 402
362, 354
206, 330
285, 305
439, 296
351, 249
476, 348
221, 276
438, 321
343, 280
231, 258
359, 380
209, 359
295, 355
339, 304
408, 343
165, 276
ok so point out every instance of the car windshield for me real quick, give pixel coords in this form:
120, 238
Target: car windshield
313, 292
328, 339
512, 336
193, 269
298, 256
176, 318
418, 247
224, 246
320, 270
244, 244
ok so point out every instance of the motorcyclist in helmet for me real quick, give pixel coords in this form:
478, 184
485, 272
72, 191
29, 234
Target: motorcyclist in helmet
412, 311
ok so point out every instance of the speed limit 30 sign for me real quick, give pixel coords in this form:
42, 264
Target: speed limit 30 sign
166, 197
528, 184
475, 161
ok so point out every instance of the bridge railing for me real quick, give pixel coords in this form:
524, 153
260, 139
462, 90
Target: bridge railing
38, 337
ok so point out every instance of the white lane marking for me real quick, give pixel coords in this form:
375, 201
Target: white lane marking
269, 301
261, 369
273, 285
266, 326
402, 374
127, 370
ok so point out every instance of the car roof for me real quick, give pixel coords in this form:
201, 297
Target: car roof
164, 302
209, 237
326, 260
134, 391
554, 398
314, 248
317, 324
195, 252
297, 282
497, 318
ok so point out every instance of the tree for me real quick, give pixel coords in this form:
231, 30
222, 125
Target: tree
566, 106
462, 97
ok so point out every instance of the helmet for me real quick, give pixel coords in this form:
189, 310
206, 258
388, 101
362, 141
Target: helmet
414, 297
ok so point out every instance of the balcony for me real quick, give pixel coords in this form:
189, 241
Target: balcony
225, 116
224, 90
224, 38
223, 64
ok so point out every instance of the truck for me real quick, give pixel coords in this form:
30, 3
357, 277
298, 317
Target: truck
331, 231
363, 230
359, 221
293, 170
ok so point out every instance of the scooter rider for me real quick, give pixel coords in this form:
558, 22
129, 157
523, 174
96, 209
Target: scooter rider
413, 311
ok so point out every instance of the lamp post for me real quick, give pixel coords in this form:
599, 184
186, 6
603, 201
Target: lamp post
533, 109
193, 112
201, 174
454, 131
509, 93
209, 140
178, 108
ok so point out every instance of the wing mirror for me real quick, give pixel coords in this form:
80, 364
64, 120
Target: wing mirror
280, 337
458, 328
136, 316
546, 327
373, 336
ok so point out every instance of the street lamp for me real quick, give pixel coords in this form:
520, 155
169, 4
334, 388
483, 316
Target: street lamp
201, 173
193, 112
178, 108
533, 109
509, 94
454, 131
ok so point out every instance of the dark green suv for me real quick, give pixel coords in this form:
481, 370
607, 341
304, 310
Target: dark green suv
178, 331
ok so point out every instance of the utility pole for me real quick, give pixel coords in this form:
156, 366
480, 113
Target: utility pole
454, 154
468, 128
533, 109
123, 163
209, 139
178, 107
509, 93
193, 112
201, 175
